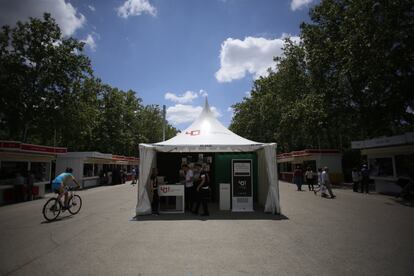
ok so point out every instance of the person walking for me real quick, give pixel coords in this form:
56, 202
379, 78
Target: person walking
298, 177
365, 179
202, 190
327, 181
356, 178
309, 178
321, 187
154, 189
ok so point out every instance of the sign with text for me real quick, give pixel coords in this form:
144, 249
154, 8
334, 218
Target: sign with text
242, 181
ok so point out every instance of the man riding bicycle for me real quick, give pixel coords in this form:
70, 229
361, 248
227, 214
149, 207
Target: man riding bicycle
60, 185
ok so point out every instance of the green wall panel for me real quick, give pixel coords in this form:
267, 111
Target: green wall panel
222, 170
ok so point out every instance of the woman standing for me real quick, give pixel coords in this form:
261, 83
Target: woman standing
154, 188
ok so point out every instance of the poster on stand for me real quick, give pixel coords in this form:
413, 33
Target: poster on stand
242, 185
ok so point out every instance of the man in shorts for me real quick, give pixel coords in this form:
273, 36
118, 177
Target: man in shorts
60, 185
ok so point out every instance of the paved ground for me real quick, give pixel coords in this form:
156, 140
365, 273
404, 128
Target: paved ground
354, 234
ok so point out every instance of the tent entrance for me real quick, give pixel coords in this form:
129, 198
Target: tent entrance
218, 165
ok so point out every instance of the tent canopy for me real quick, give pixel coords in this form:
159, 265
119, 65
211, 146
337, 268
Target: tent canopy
207, 134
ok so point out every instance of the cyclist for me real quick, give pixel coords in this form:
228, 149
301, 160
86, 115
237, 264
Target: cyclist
60, 185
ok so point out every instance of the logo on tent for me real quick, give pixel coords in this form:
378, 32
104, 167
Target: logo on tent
193, 132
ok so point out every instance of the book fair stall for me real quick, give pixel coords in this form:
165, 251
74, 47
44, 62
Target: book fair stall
242, 172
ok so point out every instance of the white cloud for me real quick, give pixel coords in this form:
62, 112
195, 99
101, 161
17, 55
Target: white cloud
136, 7
252, 55
202, 93
248, 94
180, 113
187, 97
92, 8
297, 4
90, 42
65, 14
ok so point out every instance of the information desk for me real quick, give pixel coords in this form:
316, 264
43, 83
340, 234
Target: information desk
168, 191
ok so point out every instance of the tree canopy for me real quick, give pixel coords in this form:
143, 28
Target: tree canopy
350, 77
49, 95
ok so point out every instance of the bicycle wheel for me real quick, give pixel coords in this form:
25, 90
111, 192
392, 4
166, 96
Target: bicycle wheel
52, 209
75, 204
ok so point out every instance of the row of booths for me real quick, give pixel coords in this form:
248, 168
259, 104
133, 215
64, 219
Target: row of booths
312, 158
26, 170
388, 159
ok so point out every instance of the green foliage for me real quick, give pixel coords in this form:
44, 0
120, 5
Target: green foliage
48, 95
349, 78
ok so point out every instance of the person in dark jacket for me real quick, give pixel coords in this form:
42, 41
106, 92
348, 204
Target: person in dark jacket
298, 177
364, 178
202, 186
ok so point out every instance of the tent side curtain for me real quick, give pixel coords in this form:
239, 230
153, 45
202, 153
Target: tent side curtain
146, 154
272, 203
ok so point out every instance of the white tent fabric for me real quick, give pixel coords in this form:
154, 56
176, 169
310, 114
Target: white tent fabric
272, 201
147, 153
207, 134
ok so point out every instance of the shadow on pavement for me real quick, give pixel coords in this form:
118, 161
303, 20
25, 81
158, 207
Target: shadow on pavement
215, 214
62, 218
404, 202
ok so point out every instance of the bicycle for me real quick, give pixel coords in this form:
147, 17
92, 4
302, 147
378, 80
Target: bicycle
53, 207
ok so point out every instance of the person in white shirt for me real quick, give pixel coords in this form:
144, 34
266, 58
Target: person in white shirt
327, 182
189, 187
321, 187
309, 178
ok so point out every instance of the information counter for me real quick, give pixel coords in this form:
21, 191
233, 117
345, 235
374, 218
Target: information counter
168, 191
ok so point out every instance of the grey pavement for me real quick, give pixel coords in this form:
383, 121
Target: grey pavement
354, 234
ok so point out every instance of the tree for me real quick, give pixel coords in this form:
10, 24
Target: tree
39, 70
48, 95
361, 56
349, 78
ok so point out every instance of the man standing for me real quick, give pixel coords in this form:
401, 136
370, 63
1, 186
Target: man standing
327, 182
365, 178
356, 177
298, 177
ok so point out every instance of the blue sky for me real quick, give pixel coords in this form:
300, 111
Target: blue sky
174, 52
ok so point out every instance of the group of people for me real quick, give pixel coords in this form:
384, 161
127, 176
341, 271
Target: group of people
197, 188
324, 182
360, 179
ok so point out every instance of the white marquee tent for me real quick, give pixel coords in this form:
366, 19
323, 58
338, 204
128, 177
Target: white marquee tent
207, 134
